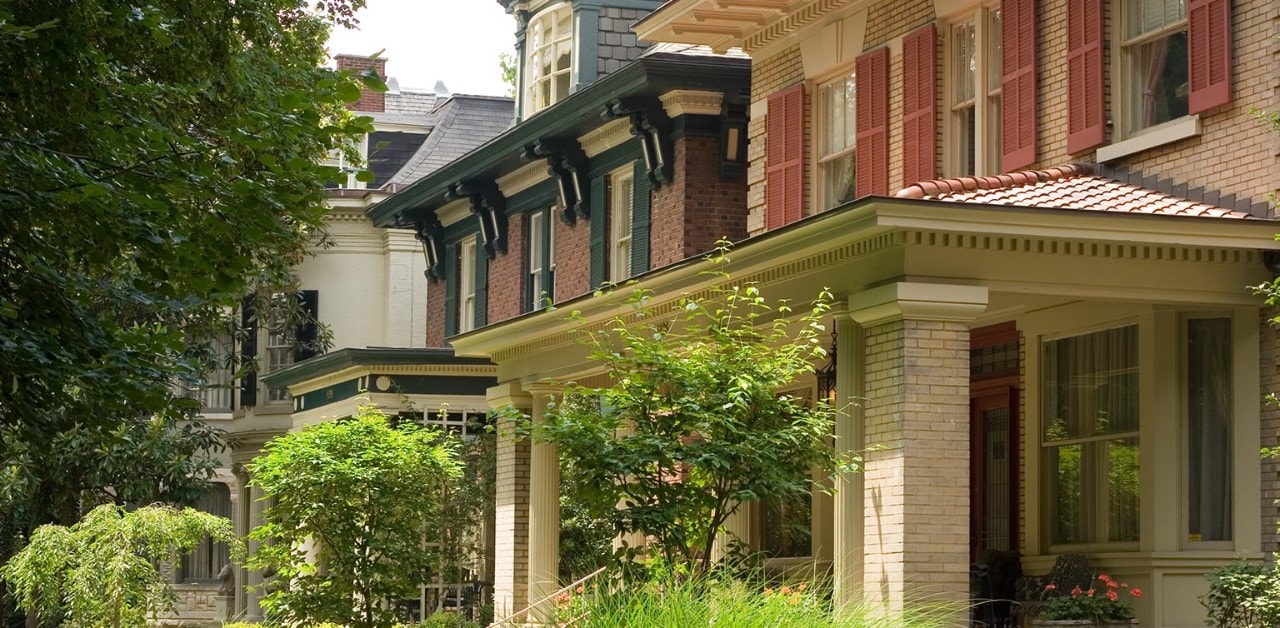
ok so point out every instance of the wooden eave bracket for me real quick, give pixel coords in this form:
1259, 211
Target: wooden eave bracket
490, 208
430, 232
567, 162
650, 123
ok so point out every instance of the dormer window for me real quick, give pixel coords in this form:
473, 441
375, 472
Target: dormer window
550, 58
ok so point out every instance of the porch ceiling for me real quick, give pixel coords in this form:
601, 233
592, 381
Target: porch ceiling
725, 24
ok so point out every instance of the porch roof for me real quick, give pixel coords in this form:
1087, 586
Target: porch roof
1077, 187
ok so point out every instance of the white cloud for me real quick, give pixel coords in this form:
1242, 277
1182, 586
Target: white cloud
456, 41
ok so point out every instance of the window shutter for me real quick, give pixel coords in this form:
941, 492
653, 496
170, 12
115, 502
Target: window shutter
481, 288
872, 104
451, 290
920, 104
639, 220
304, 334
1017, 84
1086, 119
249, 351
784, 177
1209, 52
599, 218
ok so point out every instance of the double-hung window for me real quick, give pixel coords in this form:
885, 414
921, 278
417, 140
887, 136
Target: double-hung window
549, 57
973, 126
621, 208
1090, 436
467, 285
837, 163
1208, 429
1153, 62
540, 284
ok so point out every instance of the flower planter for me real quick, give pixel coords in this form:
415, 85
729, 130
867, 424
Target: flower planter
1085, 623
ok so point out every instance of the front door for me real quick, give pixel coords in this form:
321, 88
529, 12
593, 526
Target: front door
994, 480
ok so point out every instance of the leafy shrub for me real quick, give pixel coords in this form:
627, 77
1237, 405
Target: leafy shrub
1243, 594
444, 619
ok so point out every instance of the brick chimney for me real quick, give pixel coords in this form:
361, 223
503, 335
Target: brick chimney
369, 99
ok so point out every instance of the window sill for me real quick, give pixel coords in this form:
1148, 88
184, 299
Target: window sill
1167, 133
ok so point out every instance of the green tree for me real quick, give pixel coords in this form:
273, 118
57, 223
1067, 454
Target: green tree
351, 504
697, 418
507, 66
102, 570
161, 162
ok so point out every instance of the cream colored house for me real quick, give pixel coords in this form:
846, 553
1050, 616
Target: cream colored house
1040, 219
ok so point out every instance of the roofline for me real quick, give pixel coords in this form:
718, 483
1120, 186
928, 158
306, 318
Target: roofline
874, 215
350, 357
659, 72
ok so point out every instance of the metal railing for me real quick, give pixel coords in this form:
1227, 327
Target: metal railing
510, 620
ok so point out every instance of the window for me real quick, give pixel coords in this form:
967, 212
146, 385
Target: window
836, 146
287, 334
1209, 412
207, 560
1154, 63
279, 350
541, 281
786, 527
549, 38
1090, 439
621, 206
347, 167
974, 119
467, 285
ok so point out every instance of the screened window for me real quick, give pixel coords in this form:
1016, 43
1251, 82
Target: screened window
974, 51
1090, 439
549, 41
1154, 50
540, 284
621, 208
837, 131
1209, 411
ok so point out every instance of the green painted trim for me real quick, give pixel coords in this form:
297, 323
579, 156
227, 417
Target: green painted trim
586, 40
327, 395
436, 384
341, 359
541, 196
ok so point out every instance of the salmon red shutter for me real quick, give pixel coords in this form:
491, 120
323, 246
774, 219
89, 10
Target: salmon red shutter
872, 105
1086, 124
1017, 84
919, 104
1209, 52
784, 173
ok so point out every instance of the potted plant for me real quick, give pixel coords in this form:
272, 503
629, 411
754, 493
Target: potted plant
1106, 602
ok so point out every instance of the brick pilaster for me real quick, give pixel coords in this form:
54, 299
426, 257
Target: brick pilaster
511, 511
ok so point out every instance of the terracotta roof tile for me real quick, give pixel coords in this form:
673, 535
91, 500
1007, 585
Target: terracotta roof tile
1064, 187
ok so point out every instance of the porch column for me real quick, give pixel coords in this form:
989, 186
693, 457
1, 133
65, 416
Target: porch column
916, 413
847, 515
511, 506
544, 513
240, 503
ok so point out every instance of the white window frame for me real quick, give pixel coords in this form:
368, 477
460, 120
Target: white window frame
1184, 335
824, 115
541, 277
1096, 509
278, 351
983, 98
1129, 100
548, 35
467, 285
621, 222
338, 159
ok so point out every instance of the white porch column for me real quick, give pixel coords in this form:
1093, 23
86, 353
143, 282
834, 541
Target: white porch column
511, 507
916, 497
544, 512
241, 501
847, 515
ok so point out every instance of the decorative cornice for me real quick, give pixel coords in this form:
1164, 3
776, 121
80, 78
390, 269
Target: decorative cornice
602, 138
520, 180
682, 102
917, 301
794, 21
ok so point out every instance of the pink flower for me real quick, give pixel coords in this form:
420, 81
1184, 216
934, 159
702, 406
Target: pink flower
1090, 592
1050, 587
1104, 577
1076, 592
1135, 592
1112, 595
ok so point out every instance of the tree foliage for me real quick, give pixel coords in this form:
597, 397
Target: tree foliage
161, 161
350, 505
699, 417
102, 570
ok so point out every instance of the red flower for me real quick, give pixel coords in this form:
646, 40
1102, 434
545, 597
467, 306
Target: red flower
1135, 592
1104, 577
1076, 592
1112, 595
1050, 587
1090, 592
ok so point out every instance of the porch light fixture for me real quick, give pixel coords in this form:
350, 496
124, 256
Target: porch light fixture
827, 375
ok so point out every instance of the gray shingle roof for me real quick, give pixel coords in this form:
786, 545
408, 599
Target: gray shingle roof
460, 124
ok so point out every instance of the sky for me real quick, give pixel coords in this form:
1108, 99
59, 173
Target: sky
455, 41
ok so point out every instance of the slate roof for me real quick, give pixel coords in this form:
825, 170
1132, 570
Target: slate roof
459, 125
1074, 187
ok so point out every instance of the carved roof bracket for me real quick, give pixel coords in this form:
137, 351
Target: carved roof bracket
430, 232
650, 123
490, 208
567, 162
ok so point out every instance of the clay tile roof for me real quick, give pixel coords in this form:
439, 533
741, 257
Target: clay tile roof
1073, 186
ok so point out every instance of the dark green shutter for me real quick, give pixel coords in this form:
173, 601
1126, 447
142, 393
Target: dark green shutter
304, 334
599, 228
481, 287
248, 351
451, 290
640, 221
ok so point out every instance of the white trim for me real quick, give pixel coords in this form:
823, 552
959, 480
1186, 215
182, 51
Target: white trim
1159, 135
606, 136
521, 179
683, 102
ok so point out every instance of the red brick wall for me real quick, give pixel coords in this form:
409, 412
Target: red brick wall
369, 99
435, 313
698, 207
573, 257
506, 274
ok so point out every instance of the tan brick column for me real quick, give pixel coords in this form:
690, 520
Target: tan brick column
544, 513
511, 506
916, 413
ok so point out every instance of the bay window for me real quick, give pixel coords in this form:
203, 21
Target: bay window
548, 58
